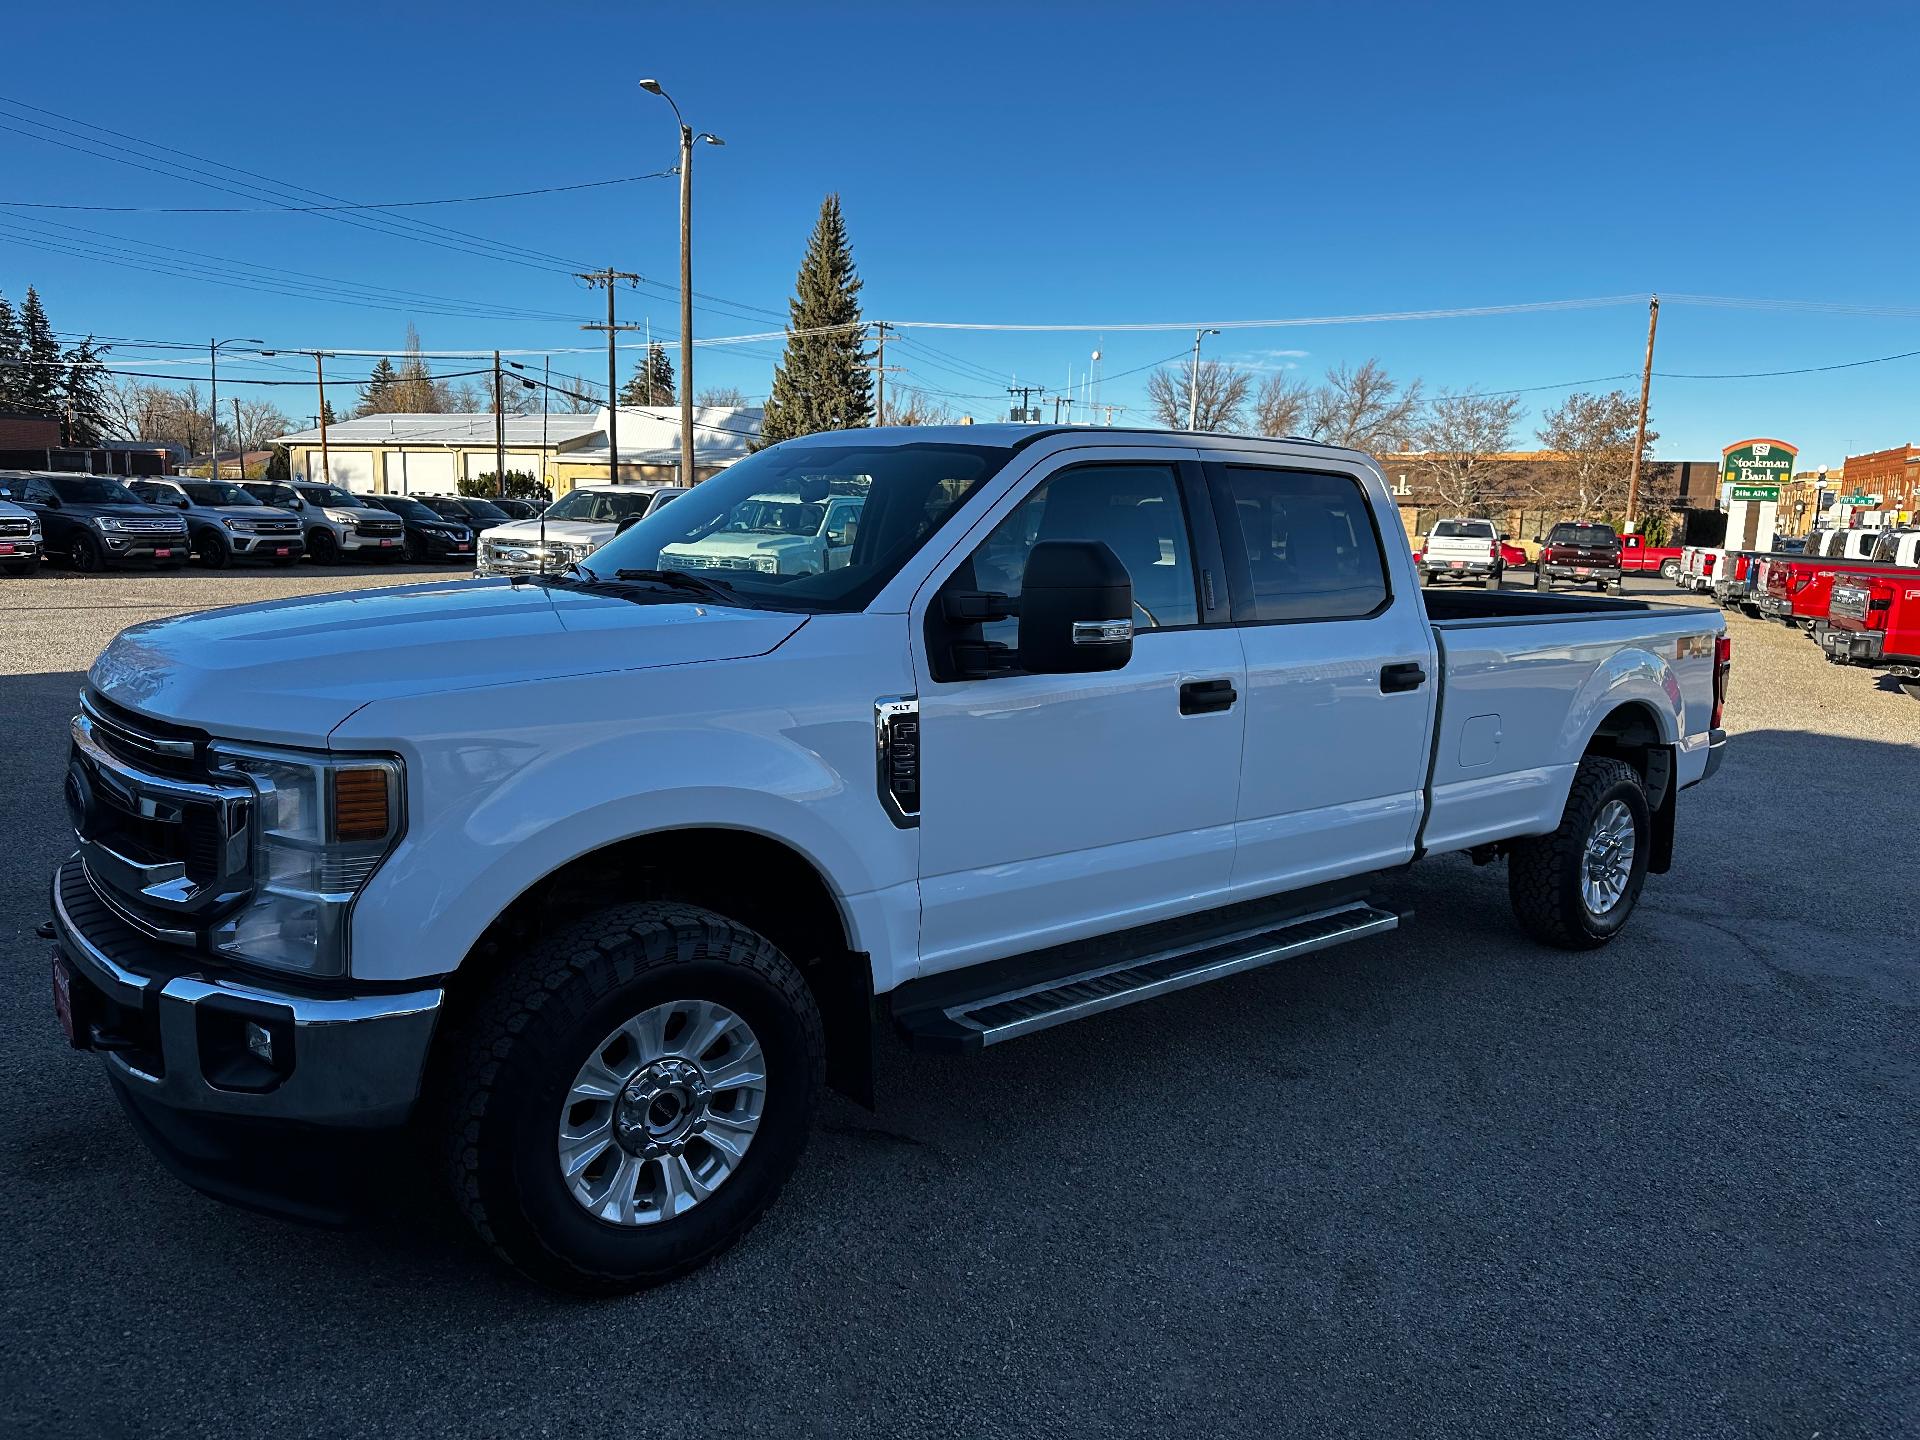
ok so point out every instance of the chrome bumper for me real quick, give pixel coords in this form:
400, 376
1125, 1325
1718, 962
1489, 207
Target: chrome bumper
349, 1061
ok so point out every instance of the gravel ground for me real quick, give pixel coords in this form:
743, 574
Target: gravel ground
1438, 1183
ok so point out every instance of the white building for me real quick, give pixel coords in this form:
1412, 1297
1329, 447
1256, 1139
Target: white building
402, 454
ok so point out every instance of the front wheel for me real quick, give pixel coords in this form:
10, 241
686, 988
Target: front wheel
1575, 888
85, 555
631, 1097
323, 546
212, 551
1540, 581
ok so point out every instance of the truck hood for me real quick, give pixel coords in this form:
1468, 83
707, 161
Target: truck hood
572, 532
724, 544
292, 670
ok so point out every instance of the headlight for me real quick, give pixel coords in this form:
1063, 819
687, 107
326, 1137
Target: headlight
321, 826
238, 524
107, 522
341, 517
767, 564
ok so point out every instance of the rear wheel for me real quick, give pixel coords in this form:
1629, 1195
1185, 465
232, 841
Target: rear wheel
1540, 581
1490, 582
631, 1097
1669, 569
1576, 887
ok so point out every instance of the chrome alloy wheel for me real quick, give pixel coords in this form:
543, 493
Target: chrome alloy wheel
662, 1112
1607, 863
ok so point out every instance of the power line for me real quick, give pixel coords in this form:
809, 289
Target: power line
1380, 317
308, 209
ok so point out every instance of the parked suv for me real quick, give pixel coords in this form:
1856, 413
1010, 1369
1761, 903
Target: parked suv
1467, 549
570, 529
19, 536
226, 523
429, 534
99, 524
477, 514
1581, 552
790, 533
337, 523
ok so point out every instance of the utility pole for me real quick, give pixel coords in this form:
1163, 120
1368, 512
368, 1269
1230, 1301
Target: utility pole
1023, 391
1058, 401
880, 370
499, 433
1640, 437
239, 441
607, 278
1193, 382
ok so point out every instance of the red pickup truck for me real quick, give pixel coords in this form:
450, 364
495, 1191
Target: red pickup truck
1799, 591
1874, 620
1637, 557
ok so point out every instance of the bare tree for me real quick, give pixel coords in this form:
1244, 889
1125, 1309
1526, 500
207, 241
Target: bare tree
1364, 409
1459, 439
1218, 406
1593, 434
721, 395
914, 407
1282, 406
260, 421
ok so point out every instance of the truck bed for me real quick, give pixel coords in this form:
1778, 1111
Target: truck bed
1456, 607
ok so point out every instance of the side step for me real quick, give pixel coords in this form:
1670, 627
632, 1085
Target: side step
969, 1023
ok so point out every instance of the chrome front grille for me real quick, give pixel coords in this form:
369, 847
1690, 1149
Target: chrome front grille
164, 842
377, 527
16, 527
274, 527
127, 526
527, 557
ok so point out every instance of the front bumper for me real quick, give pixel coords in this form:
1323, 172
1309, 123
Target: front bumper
439, 547
266, 547
353, 542
171, 1028
144, 549
19, 550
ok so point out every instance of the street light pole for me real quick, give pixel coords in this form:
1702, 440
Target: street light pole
687, 142
1193, 382
213, 403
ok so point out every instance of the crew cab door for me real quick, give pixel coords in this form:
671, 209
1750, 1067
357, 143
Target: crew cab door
1341, 672
1054, 807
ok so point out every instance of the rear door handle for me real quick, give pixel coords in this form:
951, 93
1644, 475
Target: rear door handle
1395, 678
1207, 697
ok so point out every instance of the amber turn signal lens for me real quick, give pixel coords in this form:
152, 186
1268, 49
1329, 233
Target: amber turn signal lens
360, 804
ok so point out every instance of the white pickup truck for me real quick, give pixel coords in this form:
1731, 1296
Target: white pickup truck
593, 880
1466, 549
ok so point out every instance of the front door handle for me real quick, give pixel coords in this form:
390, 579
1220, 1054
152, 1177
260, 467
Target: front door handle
1396, 678
1207, 697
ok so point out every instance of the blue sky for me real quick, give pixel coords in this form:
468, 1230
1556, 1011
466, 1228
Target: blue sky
1100, 165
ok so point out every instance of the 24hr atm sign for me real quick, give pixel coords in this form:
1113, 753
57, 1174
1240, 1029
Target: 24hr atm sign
1756, 469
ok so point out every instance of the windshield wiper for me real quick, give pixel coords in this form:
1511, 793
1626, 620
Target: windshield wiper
680, 580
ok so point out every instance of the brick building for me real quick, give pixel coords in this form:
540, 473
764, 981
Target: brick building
1892, 475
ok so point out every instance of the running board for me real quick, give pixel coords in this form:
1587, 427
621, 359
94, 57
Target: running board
968, 1024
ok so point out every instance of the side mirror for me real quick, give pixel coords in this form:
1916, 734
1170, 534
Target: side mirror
52, 501
1505, 538
1538, 541
627, 523
1076, 609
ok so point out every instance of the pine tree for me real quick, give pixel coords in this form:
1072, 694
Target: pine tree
377, 397
652, 380
326, 413
44, 375
13, 351
822, 382
89, 416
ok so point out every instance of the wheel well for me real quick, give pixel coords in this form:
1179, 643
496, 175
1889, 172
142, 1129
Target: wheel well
759, 882
1631, 732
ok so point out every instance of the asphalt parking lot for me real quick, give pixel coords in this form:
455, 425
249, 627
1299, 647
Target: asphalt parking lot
1443, 1182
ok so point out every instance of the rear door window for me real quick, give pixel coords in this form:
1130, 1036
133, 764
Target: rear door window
1312, 550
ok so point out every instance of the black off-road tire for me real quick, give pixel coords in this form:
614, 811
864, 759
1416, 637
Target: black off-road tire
506, 1075
212, 551
85, 555
1543, 871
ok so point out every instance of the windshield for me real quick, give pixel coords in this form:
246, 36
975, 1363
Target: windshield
1582, 535
334, 496
481, 509
1463, 530
410, 510
604, 507
214, 492
908, 491
92, 490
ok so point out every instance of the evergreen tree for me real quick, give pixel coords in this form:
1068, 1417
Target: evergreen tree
822, 382
378, 395
652, 380
13, 351
279, 465
89, 415
326, 413
45, 373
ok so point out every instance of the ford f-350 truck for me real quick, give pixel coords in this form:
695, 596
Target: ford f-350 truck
588, 882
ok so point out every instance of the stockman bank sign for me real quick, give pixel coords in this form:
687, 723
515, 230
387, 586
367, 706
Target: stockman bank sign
1755, 469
